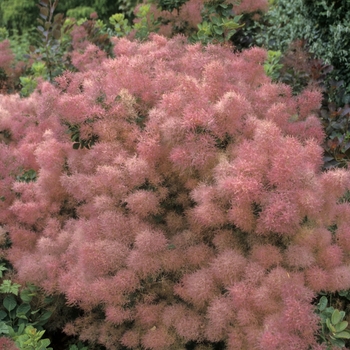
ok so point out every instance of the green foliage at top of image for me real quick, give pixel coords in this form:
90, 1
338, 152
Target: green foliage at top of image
324, 24
170, 5
219, 23
18, 14
80, 12
104, 8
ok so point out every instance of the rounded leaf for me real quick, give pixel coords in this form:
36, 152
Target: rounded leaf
341, 326
22, 310
322, 304
343, 335
9, 302
336, 317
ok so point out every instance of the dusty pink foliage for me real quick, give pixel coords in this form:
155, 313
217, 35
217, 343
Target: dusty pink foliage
10, 70
246, 6
200, 213
6, 56
7, 344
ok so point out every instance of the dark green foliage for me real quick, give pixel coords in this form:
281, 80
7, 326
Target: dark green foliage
78, 142
327, 12
219, 23
281, 25
18, 14
27, 176
24, 310
334, 329
330, 37
324, 24
80, 12
97, 35
335, 115
170, 5
104, 8
301, 69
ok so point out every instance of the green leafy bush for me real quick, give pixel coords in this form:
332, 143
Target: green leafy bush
272, 65
20, 320
334, 329
18, 14
323, 24
80, 12
104, 8
29, 338
219, 23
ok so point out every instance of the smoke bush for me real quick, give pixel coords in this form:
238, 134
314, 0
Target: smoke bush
198, 213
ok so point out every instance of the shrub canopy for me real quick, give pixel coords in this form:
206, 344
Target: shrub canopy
177, 197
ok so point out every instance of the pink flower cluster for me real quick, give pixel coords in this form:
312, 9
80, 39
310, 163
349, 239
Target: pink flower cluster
6, 56
200, 214
7, 344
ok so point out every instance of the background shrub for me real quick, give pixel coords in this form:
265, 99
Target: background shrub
205, 21
323, 24
20, 15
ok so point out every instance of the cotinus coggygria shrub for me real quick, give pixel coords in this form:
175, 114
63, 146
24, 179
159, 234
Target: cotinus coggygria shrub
178, 199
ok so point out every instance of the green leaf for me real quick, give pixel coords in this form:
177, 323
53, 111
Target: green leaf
9, 302
330, 326
338, 342
2, 266
218, 30
322, 304
26, 295
75, 136
43, 318
45, 342
230, 34
336, 317
216, 20
48, 300
4, 329
22, 309
12, 314
3, 314
343, 335
341, 326
21, 329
